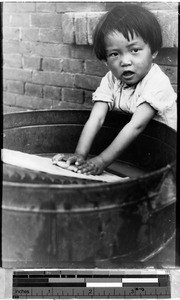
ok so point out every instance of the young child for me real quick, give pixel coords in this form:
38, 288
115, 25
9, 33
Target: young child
127, 39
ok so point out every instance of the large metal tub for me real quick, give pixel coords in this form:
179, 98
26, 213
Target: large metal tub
59, 223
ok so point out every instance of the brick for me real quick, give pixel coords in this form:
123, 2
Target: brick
9, 109
52, 92
20, 20
87, 82
175, 87
176, 39
17, 74
10, 33
33, 90
169, 24
18, 47
160, 5
53, 78
68, 28
79, 6
150, 5
9, 99
45, 7
6, 19
167, 56
31, 62
72, 95
46, 20
11, 46
51, 35
171, 72
56, 104
88, 98
80, 29
52, 50
12, 60
26, 7
27, 47
64, 105
92, 21
73, 65
95, 67
81, 52
29, 34
9, 7
4, 85
31, 102
16, 87
51, 64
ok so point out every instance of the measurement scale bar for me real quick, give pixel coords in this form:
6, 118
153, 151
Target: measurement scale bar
90, 284
134, 280
104, 284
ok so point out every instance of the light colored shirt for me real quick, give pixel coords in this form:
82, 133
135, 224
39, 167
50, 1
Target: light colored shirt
155, 88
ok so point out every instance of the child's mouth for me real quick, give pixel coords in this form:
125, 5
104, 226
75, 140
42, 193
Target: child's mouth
127, 74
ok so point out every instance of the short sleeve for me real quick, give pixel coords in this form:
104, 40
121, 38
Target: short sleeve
105, 91
158, 93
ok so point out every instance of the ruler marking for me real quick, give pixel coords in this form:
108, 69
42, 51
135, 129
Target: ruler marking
66, 280
103, 280
103, 284
137, 280
86, 284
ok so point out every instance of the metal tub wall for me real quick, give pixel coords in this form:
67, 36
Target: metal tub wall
95, 224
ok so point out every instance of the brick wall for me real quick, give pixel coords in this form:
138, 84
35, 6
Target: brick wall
48, 61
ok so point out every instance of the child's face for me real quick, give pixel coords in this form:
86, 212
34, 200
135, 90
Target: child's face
130, 60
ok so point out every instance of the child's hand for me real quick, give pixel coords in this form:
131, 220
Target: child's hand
93, 166
70, 159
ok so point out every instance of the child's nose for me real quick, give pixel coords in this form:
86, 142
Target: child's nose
125, 60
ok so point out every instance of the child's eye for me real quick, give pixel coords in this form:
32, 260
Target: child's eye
113, 54
135, 50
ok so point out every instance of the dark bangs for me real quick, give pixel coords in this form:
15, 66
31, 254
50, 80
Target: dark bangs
128, 19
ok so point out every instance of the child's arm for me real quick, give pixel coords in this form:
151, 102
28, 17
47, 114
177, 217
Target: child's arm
92, 126
141, 117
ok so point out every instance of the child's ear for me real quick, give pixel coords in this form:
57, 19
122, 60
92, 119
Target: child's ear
105, 62
154, 55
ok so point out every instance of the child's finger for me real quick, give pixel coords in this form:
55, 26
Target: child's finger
71, 160
57, 157
79, 161
91, 173
72, 168
85, 169
64, 165
82, 166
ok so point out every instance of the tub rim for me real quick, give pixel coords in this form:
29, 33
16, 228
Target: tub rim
86, 186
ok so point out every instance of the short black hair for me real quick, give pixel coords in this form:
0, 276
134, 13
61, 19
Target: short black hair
127, 19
